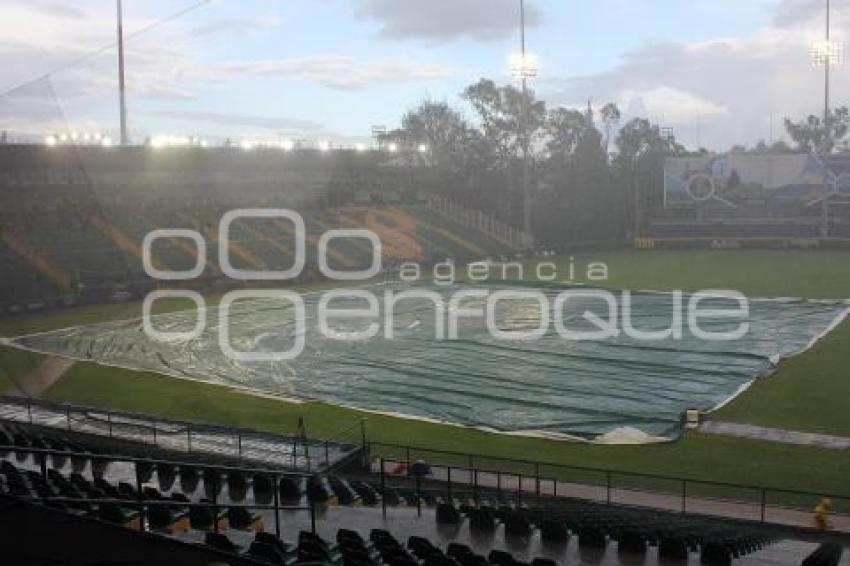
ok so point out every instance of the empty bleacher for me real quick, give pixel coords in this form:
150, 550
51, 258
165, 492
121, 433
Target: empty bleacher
336, 517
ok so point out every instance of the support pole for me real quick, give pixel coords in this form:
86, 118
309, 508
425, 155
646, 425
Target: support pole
121, 89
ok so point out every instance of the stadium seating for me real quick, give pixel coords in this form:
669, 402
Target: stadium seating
175, 499
87, 251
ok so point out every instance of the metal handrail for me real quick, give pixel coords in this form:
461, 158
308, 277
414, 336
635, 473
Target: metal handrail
102, 456
195, 425
592, 469
171, 427
760, 492
141, 502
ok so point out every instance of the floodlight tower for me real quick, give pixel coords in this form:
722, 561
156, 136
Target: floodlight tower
827, 55
524, 66
121, 91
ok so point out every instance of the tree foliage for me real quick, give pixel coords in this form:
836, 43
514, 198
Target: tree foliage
580, 195
816, 135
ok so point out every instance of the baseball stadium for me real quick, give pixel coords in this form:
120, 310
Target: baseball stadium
504, 331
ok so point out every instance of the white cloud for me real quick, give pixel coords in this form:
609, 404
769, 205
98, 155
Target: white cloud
673, 105
335, 71
273, 123
440, 20
730, 90
234, 26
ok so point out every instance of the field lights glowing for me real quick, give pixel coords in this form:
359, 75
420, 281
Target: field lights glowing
77, 138
523, 66
830, 52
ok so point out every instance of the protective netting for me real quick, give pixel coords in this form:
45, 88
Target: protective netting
552, 385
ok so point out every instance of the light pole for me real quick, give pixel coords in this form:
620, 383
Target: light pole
826, 76
121, 93
524, 66
827, 55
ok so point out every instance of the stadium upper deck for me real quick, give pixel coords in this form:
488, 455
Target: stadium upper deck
73, 218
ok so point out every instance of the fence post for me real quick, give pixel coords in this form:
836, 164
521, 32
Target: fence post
275, 483
407, 455
327, 456
154, 433
239, 448
312, 507
139, 495
499, 482
29, 410
68, 417
109, 421
383, 490
475, 486
684, 495
537, 481
418, 495
608, 487
188, 437
518, 489
449, 482
43, 462
215, 501
763, 503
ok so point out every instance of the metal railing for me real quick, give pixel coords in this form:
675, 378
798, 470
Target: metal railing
531, 481
244, 445
143, 504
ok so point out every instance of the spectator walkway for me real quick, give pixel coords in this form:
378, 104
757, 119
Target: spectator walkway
775, 435
249, 446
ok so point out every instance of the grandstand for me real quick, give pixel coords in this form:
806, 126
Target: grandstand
72, 219
200, 508
574, 405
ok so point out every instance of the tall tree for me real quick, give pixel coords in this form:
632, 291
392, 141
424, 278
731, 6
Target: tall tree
640, 163
438, 129
510, 119
610, 114
813, 135
564, 128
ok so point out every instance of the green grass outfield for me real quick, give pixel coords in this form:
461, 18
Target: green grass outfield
809, 392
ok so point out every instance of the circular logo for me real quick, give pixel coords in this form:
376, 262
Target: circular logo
700, 186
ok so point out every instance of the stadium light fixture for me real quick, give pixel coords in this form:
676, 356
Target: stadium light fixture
63, 138
827, 52
50, 140
106, 141
523, 66
247, 145
361, 147
74, 136
324, 146
423, 148
287, 145
392, 147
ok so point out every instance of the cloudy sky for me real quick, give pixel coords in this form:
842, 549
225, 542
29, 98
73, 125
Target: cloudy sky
717, 71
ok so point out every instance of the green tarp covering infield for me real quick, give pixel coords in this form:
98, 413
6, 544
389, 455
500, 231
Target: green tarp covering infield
551, 386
